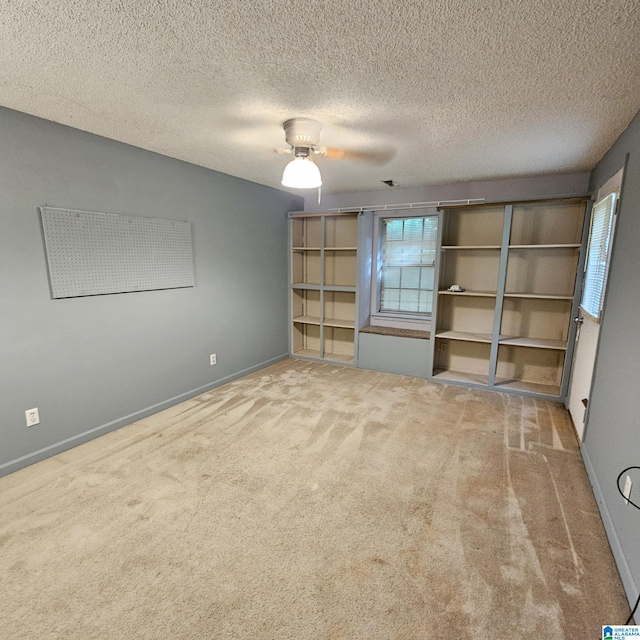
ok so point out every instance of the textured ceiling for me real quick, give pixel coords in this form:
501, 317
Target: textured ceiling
460, 89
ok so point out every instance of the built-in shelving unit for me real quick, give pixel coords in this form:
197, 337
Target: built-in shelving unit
324, 269
511, 327
470, 257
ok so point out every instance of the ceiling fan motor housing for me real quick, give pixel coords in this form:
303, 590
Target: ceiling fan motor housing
302, 132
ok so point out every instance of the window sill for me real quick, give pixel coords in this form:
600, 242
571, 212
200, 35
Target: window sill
399, 333
409, 322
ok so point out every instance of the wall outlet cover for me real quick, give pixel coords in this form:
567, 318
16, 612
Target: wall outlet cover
627, 490
32, 416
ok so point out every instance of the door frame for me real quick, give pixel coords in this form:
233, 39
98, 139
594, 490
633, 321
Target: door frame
618, 208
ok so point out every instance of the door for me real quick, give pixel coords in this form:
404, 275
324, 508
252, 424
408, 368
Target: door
595, 277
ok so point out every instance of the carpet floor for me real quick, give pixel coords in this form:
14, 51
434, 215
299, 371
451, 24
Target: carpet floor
308, 501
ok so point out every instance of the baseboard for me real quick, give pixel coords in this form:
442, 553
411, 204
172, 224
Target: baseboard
628, 582
85, 436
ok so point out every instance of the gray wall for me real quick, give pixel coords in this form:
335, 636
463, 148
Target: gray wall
96, 363
612, 440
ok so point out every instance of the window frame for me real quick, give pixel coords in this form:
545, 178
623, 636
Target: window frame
397, 319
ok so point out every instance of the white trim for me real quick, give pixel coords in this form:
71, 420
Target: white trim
630, 586
63, 445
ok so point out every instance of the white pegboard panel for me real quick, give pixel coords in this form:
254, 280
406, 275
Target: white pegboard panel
92, 253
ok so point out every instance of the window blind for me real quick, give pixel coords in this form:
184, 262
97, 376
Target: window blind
407, 264
598, 252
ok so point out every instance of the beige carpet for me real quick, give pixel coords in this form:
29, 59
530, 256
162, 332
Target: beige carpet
309, 501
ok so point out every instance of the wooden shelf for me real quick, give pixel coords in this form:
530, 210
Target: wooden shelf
460, 376
470, 247
538, 296
307, 353
341, 248
535, 343
515, 341
334, 287
473, 294
307, 319
544, 246
465, 336
531, 387
339, 357
305, 249
336, 322
304, 286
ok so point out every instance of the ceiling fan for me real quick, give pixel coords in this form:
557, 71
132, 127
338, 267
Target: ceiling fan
303, 137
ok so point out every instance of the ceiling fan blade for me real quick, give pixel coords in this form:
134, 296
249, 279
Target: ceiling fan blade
374, 156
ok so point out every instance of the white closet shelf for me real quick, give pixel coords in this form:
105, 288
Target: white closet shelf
466, 336
305, 248
336, 322
336, 287
535, 343
474, 294
339, 357
307, 319
544, 246
450, 375
533, 387
538, 296
308, 353
465, 247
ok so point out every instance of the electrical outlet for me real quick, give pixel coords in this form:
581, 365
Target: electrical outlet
443, 346
212, 359
627, 490
32, 416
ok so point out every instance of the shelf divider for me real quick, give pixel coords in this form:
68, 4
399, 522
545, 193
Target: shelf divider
502, 279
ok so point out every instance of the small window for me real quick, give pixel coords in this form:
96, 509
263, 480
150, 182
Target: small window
407, 262
598, 253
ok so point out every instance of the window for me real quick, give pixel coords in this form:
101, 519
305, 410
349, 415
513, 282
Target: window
406, 262
598, 252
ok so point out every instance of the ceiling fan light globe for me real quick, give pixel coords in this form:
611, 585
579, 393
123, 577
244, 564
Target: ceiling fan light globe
301, 173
